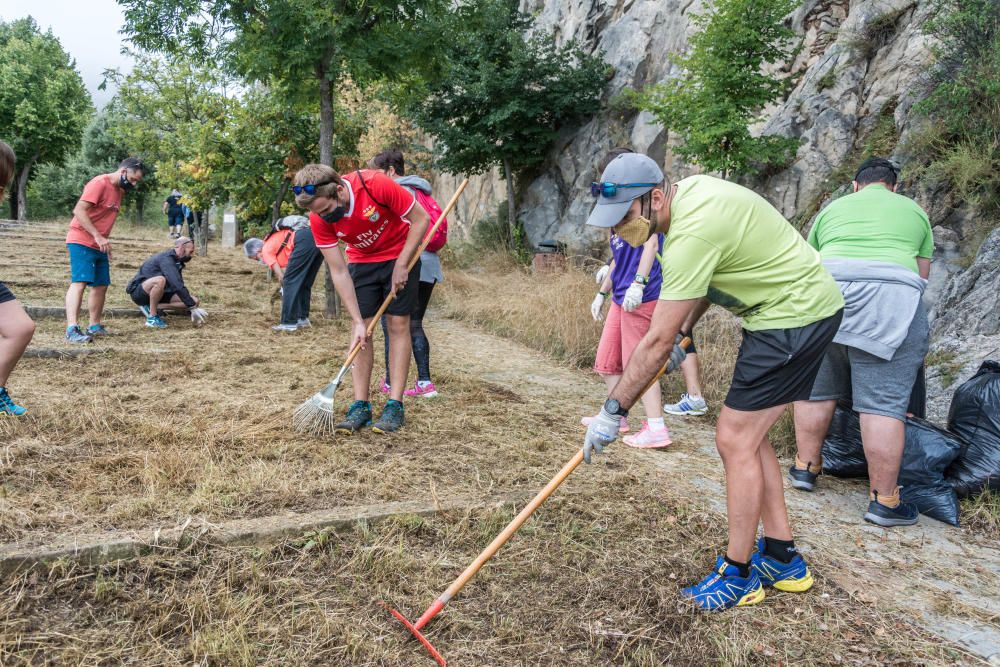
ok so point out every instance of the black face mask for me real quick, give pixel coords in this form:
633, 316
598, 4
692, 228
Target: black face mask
335, 215
126, 184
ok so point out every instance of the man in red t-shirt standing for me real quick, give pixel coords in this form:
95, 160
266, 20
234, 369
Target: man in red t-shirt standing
89, 248
382, 229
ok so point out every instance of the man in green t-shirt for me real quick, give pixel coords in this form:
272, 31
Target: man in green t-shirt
878, 246
727, 245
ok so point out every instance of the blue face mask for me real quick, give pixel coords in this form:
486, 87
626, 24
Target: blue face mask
126, 184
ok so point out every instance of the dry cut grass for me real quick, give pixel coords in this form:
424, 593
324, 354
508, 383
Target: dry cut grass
586, 582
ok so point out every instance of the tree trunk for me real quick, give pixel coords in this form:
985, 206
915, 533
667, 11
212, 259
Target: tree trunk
22, 188
280, 198
511, 209
325, 112
200, 232
12, 201
332, 308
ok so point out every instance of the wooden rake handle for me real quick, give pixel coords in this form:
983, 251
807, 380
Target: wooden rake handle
413, 260
519, 520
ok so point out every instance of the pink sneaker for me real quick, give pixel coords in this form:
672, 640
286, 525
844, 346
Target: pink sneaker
385, 387
623, 428
422, 389
647, 438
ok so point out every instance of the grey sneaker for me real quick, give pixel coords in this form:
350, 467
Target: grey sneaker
687, 406
304, 323
358, 416
391, 419
75, 335
95, 330
287, 328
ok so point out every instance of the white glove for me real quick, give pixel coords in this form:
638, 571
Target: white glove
199, 316
602, 273
633, 297
596, 305
602, 431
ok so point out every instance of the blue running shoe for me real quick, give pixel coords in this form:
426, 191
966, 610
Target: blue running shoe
358, 416
155, 322
8, 406
793, 576
75, 335
724, 588
144, 310
95, 330
392, 418
804, 479
903, 514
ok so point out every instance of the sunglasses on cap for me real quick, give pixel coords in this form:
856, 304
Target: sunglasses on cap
609, 190
309, 189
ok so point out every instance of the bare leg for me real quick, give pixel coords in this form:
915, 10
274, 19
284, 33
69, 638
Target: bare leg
16, 330
738, 437
400, 350
773, 510
96, 302
812, 421
74, 298
883, 439
154, 287
692, 380
361, 374
652, 402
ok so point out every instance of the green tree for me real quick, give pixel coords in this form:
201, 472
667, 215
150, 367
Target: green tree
504, 94
307, 47
43, 102
55, 188
723, 87
960, 146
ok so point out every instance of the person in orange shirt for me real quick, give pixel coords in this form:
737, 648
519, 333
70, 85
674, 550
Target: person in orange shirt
290, 252
89, 248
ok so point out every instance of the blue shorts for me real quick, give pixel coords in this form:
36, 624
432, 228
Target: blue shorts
175, 219
87, 265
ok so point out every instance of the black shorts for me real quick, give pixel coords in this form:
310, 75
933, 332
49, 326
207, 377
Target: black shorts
373, 282
778, 366
140, 297
5, 294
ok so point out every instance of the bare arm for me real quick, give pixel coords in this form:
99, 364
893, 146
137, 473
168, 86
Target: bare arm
924, 267
700, 306
80, 211
653, 350
649, 250
606, 283
345, 288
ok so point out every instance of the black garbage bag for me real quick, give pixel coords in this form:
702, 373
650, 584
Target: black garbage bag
843, 455
975, 416
928, 452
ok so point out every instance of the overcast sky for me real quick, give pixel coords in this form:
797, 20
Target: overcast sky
88, 31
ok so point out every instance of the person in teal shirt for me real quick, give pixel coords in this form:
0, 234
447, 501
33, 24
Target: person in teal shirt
726, 245
878, 246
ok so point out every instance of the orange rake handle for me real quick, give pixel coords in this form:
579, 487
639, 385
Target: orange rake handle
413, 260
505, 535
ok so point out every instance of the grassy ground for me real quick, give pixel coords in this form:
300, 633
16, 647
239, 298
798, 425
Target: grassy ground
186, 421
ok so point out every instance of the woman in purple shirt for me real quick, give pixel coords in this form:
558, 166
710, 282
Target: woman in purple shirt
634, 287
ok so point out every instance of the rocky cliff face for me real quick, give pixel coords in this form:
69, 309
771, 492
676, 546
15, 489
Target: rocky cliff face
855, 81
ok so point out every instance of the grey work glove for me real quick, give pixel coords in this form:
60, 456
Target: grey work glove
601, 432
199, 316
677, 354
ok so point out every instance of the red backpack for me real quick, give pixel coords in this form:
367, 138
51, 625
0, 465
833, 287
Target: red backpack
434, 212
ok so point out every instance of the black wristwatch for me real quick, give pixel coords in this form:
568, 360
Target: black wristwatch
613, 407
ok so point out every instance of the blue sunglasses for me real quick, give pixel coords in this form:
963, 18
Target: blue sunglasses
309, 189
609, 190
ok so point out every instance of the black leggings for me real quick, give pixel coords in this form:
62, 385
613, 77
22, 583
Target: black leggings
421, 346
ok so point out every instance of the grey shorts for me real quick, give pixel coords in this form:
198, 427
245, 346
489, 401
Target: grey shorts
874, 385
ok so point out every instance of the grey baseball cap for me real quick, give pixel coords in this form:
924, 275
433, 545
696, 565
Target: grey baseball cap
635, 170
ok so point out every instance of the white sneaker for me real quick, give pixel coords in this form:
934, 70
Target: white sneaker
304, 323
285, 327
687, 406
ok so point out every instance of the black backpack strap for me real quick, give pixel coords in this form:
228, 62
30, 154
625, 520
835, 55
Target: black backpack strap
368, 192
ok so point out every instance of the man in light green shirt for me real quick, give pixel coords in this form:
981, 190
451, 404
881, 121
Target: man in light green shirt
726, 245
878, 246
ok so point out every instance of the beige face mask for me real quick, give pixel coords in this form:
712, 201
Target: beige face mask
635, 232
